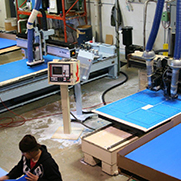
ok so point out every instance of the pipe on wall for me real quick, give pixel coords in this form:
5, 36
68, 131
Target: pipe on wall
89, 11
98, 23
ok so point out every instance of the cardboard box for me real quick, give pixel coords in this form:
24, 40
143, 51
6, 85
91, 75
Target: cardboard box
10, 24
109, 39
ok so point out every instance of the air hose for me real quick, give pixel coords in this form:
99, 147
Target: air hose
177, 50
155, 26
175, 64
30, 28
148, 54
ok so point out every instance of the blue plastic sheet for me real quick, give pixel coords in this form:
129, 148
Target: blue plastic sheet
19, 68
145, 109
161, 153
5, 43
2, 173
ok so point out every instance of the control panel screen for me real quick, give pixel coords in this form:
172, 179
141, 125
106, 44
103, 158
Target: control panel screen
57, 70
60, 73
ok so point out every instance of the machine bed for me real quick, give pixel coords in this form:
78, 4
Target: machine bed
20, 84
144, 110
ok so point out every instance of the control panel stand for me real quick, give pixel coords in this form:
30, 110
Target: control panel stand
65, 72
65, 109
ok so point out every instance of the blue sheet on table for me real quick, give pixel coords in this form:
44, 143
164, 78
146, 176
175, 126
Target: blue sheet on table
2, 173
5, 43
161, 153
133, 109
19, 68
19, 179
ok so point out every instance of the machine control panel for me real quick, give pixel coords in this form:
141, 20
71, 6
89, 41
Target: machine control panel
64, 72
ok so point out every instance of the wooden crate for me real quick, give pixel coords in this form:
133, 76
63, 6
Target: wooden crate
103, 146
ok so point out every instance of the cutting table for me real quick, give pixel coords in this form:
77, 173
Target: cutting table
5, 43
17, 79
144, 110
147, 111
13, 71
158, 159
156, 154
162, 153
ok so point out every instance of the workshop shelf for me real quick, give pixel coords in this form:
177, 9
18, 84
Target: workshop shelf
66, 15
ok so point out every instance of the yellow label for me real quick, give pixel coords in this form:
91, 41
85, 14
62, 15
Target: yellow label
165, 47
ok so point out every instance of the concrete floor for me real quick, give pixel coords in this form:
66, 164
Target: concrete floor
42, 118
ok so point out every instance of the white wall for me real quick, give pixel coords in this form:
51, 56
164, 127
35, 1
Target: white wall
4, 12
130, 18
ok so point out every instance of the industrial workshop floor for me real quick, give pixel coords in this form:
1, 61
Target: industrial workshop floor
42, 118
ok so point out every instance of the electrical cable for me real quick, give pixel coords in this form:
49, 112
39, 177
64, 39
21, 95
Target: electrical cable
12, 123
81, 122
87, 112
163, 79
12, 120
90, 112
164, 26
126, 78
160, 51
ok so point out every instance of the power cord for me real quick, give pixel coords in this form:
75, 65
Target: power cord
103, 95
81, 122
12, 123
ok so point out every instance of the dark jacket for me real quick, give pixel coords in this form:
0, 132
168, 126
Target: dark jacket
46, 168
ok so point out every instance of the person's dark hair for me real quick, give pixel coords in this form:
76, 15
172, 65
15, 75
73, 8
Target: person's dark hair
28, 144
